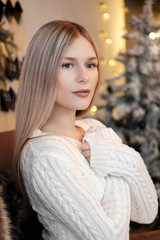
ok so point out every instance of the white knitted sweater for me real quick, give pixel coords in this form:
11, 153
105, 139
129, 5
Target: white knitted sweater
76, 200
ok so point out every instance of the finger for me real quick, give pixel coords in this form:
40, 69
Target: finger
85, 146
86, 153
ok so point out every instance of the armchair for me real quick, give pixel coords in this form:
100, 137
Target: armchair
17, 219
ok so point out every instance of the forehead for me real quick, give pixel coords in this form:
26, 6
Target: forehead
80, 46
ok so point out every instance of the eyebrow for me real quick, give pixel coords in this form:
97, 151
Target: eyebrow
72, 58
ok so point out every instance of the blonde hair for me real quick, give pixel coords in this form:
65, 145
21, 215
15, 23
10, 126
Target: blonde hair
38, 79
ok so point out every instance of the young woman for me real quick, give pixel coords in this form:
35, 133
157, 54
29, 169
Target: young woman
80, 178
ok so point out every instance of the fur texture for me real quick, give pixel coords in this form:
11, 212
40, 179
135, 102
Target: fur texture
17, 219
5, 224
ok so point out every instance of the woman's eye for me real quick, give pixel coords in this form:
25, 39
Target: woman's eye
67, 65
91, 65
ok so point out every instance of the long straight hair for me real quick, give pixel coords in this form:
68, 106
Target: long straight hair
38, 80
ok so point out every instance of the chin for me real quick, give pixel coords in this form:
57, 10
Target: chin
82, 108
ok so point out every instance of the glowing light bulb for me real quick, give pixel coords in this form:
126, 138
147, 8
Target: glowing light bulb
108, 40
111, 62
106, 16
93, 110
153, 35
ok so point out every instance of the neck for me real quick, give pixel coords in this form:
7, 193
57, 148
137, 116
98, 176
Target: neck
62, 122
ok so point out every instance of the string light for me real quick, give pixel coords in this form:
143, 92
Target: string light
106, 16
102, 33
153, 35
111, 62
93, 110
108, 40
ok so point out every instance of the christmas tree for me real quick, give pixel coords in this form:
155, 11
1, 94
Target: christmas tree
133, 108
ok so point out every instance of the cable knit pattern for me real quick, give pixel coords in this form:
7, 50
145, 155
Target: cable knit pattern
110, 157
75, 200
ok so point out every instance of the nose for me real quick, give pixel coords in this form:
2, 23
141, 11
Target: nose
82, 75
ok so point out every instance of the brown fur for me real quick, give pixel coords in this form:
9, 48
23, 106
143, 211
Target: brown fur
17, 219
5, 228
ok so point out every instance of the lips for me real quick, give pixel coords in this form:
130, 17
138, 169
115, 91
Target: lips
82, 93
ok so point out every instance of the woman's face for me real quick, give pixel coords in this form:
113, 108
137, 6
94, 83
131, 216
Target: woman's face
78, 76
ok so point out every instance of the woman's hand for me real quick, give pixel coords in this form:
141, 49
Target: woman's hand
86, 151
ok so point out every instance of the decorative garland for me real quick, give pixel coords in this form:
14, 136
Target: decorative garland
9, 10
9, 62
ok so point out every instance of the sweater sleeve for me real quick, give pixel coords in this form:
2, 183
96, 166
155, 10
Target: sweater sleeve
109, 156
57, 187
116, 203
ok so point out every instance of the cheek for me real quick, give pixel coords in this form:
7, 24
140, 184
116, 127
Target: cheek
64, 83
64, 91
